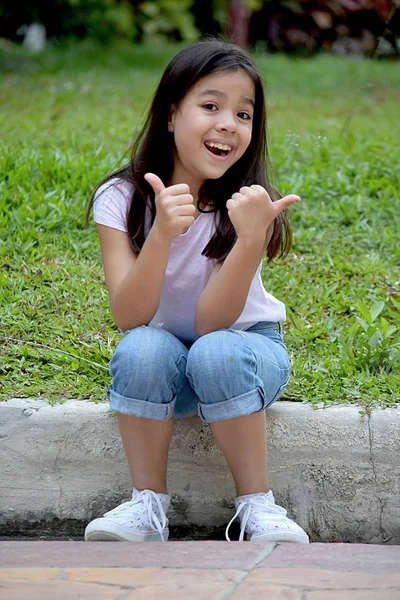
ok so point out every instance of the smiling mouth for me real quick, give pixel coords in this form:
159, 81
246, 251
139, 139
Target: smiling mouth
218, 149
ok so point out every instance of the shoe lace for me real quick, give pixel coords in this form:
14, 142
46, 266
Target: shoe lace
144, 501
259, 505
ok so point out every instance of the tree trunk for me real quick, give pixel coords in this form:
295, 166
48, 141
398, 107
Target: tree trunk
239, 23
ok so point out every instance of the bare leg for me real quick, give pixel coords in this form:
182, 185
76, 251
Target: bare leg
146, 444
243, 440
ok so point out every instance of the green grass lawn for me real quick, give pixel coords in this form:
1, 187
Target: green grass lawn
67, 118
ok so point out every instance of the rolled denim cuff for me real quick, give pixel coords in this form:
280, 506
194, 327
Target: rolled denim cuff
140, 408
239, 406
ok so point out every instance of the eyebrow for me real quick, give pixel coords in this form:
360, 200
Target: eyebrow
222, 94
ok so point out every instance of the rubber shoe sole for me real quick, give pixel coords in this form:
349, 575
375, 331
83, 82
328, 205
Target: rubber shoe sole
102, 530
296, 538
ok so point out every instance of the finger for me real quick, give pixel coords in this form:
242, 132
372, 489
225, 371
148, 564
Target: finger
186, 210
230, 204
155, 182
237, 196
178, 188
245, 189
183, 199
259, 189
286, 201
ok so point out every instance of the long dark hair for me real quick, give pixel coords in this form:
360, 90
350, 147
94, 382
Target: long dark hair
153, 150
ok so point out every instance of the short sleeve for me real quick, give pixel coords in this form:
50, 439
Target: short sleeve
111, 204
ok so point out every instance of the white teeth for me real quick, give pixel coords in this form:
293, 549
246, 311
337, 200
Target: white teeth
219, 146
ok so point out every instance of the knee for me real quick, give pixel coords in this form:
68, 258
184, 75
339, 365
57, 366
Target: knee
218, 356
141, 356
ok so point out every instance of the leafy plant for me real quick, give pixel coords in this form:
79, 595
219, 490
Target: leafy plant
97, 19
373, 345
161, 20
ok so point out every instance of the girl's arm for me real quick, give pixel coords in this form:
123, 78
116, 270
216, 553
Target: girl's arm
134, 282
224, 298
252, 213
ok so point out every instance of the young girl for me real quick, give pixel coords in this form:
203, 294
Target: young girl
183, 229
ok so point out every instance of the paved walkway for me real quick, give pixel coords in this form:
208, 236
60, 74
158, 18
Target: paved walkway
44, 570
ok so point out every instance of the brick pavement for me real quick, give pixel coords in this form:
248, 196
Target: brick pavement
51, 570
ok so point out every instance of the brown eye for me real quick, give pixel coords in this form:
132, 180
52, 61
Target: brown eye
210, 106
244, 115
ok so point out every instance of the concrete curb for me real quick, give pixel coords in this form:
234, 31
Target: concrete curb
336, 472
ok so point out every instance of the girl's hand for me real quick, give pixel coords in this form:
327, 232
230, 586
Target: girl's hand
174, 207
252, 211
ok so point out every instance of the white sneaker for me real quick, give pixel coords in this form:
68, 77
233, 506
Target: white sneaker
263, 521
142, 519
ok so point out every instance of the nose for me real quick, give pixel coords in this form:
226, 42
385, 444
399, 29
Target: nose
226, 122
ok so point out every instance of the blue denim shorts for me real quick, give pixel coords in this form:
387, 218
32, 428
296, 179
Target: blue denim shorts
224, 374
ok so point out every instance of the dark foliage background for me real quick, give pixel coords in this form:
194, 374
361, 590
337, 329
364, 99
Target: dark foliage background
298, 26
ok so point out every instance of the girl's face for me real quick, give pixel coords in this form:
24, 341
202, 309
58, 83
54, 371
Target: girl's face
212, 127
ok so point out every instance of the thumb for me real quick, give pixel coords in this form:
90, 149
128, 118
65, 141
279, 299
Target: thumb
286, 201
155, 182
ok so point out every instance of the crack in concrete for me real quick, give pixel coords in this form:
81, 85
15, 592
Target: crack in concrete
19, 454
235, 586
384, 536
29, 411
60, 483
264, 555
125, 593
254, 565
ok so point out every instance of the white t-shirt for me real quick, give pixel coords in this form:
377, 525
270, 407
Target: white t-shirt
187, 271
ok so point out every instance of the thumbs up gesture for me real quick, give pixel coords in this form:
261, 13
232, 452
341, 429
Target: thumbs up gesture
174, 207
252, 211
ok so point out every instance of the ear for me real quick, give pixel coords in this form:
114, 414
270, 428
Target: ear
171, 118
